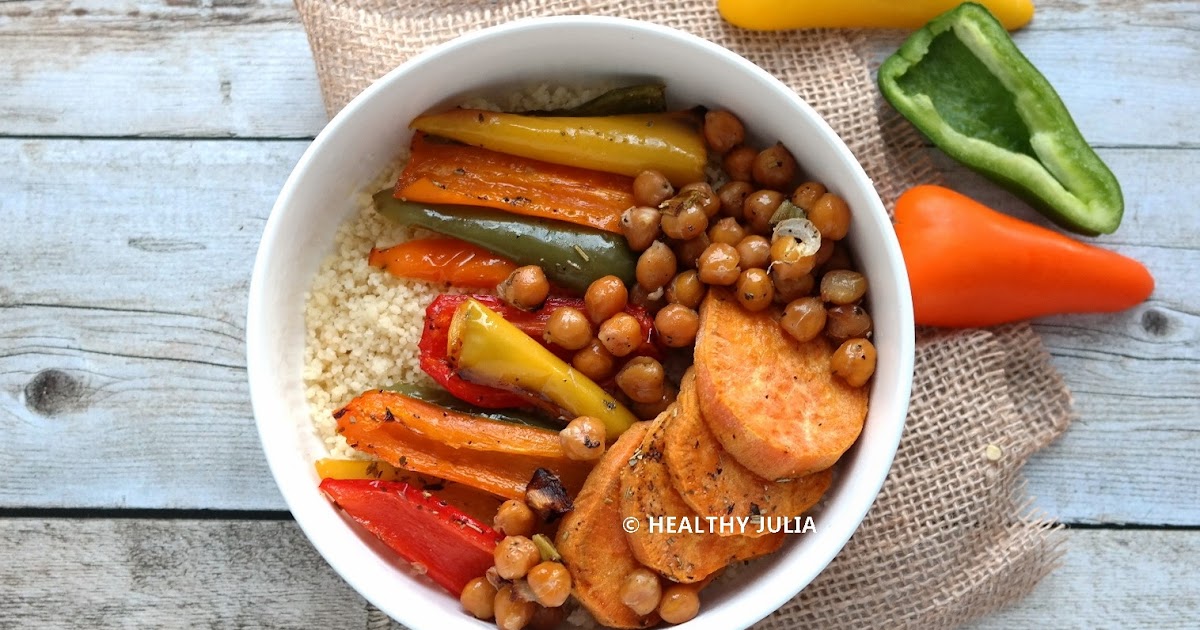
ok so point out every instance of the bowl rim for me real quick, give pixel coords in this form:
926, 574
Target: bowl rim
766, 600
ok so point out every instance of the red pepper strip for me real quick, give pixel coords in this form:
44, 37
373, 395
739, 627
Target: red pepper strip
453, 548
445, 172
436, 363
443, 259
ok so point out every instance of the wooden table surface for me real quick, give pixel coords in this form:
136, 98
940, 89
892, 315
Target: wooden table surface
142, 144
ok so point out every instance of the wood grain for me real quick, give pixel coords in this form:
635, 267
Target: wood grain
226, 574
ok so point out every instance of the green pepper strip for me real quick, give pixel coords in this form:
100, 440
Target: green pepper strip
649, 98
962, 81
442, 398
572, 256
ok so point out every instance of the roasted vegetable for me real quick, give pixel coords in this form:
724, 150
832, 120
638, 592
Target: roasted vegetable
670, 143
484, 348
713, 483
546, 496
648, 98
593, 544
572, 256
681, 556
477, 503
962, 81
443, 259
448, 546
772, 401
773, 15
444, 172
493, 456
436, 363
969, 265
440, 397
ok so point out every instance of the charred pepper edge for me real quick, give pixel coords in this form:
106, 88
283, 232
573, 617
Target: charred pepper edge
1068, 182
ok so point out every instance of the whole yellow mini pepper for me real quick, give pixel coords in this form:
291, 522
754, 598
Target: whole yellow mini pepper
773, 15
626, 144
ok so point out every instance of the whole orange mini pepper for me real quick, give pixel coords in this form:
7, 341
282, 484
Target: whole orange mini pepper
972, 266
775, 15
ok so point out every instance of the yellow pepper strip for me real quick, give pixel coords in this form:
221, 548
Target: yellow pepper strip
626, 144
775, 15
486, 348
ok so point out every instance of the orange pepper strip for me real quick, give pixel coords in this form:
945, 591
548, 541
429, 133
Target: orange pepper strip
440, 172
490, 455
443, 259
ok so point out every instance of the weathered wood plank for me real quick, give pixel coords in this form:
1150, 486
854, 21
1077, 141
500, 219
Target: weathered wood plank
153, 573
151, 342
212, 68
1114, 579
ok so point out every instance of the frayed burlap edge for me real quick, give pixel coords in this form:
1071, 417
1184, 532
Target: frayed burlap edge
951, 537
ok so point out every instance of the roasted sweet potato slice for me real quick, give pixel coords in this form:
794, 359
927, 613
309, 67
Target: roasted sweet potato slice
593, 544
772, 401
490, 455
713, 483
682, 556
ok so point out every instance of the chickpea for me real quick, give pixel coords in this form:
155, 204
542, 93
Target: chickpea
604, 298
641, 591
594, 361
568, 328
640, 226
656, 266
651, 188
754, 290
847, 321
515, 556
754, 252
686, 289
684, 221
514, 518
787, 262
719, 265
739, 163
843, 286
677, 325
774, 167
642, 380
512, 612
723, 131
525, 288
680, 603
803, 319
824, 252
788, 288
733, 197
688, 252
649, 411
831, 215
478, 597
703, 196
758, 209
806, 194
839, 259
727, 231
583, 439
854, 361
621, 334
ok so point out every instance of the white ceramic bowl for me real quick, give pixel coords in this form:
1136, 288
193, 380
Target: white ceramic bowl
361, 140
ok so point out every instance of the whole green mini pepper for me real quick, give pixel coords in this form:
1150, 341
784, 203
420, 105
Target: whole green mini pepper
962, 81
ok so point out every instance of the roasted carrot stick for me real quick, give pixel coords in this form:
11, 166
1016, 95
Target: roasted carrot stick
443, 259
972, 266
490, 455
443, 172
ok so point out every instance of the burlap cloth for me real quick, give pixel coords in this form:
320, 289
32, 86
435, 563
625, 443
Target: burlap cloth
951, 537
